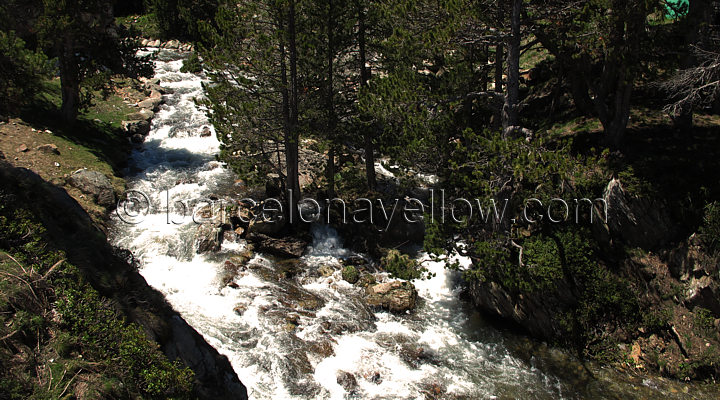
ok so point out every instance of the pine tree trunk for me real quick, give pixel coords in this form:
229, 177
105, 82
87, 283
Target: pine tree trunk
330, 172
330, 106
70, 88
292, 136
483, 65
499, 56
364, 78
511, 119
615, 120
580, 93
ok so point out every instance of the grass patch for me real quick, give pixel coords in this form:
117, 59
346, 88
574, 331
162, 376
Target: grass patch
533, 56
575, 126
96, 140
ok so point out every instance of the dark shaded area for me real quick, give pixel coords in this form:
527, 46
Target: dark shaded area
108, 271
128, 7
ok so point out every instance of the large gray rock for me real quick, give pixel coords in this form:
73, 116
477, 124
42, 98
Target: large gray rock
142, 115
394, 296
704, 292
635, 221
136, 127
95, 184
286, 247
151, 103
208, 238
346, 380
534, 312
271, 227
689, 260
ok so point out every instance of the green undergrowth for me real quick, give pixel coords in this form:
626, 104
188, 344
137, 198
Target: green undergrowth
60, 337
403, 266
192, 64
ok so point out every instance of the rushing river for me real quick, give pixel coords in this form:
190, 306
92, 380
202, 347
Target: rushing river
293, 336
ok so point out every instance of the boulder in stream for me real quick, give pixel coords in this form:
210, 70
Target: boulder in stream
141, 127
350, 274
207, 238
394, 296
346, 380
325, 271
270, 227
288, 247
151, 103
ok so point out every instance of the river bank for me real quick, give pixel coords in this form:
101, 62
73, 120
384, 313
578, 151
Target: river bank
63, 183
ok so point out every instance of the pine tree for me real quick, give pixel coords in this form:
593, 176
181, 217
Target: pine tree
601, 49
253, 99
83, 37
326, 68
22, 69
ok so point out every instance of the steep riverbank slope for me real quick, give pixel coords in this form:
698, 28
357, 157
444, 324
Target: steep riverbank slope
77, 317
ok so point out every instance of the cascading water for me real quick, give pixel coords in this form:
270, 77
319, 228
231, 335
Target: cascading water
291, 331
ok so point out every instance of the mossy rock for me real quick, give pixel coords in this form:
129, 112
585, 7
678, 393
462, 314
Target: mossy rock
350, 274
325, 270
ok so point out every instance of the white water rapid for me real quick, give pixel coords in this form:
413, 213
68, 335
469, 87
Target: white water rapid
292, 336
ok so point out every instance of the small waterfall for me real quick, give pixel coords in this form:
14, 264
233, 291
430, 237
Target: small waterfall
290, 330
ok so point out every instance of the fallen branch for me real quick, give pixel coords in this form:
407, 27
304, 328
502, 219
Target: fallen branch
52, 269
520, 248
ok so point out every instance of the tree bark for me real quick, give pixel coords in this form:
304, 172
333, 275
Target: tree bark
499, 56
364, 78
292, 137
615, 122
580, 93
511, 119
330, 172
330, 106
484, 57
70, 87
290, 117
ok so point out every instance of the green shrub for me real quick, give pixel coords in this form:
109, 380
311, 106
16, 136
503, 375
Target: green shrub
21, 73
350, 274
402, 266
192, 64
704, 320
710, 230
557, 264
658, 320
89, 325
125, 348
